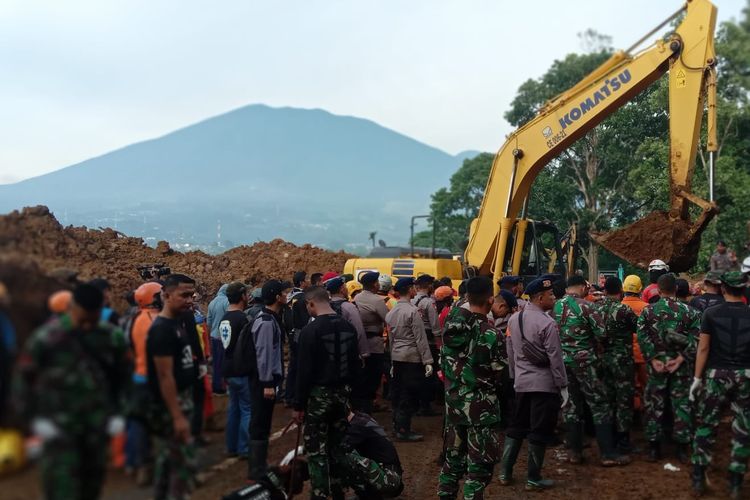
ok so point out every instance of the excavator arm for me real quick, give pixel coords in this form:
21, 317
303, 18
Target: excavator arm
689, 58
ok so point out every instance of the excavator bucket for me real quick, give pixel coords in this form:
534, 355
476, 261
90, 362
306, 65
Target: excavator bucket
657, 236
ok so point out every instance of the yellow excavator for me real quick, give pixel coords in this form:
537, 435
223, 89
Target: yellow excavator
503, 240
497, 241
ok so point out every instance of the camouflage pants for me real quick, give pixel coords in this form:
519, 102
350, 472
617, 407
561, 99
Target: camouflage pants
586, 388
175, 463
325, 428
722, 386
73, 468
675, 387
365, 475
619, 373
469, 450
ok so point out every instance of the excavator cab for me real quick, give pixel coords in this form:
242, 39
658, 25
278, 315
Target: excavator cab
535, 253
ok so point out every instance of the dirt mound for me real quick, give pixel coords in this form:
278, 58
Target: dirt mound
654, 237
35, 239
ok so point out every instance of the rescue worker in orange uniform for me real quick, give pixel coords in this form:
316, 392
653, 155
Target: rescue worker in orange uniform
632, 287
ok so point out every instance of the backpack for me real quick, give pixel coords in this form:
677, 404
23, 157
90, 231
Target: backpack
244, 361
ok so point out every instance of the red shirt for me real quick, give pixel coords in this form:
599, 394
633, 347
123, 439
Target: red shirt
651, 291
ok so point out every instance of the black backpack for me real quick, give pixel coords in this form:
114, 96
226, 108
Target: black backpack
244, 360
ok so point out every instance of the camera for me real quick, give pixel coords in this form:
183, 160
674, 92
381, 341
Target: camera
153, 271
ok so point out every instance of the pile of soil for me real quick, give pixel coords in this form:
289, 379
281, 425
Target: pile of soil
655, 236
50, 253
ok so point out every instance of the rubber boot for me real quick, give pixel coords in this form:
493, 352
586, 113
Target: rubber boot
699, 479
608, 455
735, 485
534, 481
257, 455
623, 443
510, 454
575, 443
654, 451
683, 453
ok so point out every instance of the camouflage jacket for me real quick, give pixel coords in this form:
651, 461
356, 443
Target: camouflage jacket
75, 379
619, 325
472, 359
668, 328
581, 328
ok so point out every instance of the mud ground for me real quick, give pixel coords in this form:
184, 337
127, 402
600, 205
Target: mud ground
639, 480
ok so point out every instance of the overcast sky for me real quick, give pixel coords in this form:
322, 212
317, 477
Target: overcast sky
80, 78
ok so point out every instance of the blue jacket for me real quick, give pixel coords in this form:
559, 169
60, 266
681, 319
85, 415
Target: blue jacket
216, 310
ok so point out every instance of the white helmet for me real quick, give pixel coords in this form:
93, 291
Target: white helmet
746, 265
385, 283
658, 265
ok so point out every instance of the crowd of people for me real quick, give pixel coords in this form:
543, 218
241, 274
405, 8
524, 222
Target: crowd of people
500, 368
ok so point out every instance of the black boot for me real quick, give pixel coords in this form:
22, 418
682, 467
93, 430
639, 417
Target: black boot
699, 479
608, 456
735, 485
574, 441
654, 451
257, 455
510, 454
683, 453
622, 443
534, 481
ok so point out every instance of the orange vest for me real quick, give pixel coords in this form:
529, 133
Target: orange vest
138, 338
637, 305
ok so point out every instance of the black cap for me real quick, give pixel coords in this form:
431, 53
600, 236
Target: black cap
424, 279
369, 278
271, 289
403, 284
333, 285
576, 280
537, 286
509, 298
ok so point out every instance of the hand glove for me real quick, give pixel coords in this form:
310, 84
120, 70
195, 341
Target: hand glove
391, 372
44, 428
115, 425
694, 388
427, 371
565, 397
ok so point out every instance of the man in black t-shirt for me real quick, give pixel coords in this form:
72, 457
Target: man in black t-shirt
238, 410
724, 350
171, 375
712, 295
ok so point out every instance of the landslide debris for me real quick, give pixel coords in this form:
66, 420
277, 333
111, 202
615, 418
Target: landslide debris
36, 241
654, 237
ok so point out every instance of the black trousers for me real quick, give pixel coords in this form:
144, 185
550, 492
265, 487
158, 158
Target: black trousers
261, 413
432, 388
535, 417
290, 390
408, 383
199, 398
366, 385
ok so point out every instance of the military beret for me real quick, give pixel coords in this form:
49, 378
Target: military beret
537, 286
403, 284
734, 279
509, 298
509, 280
334, 284
424, 279
369, 278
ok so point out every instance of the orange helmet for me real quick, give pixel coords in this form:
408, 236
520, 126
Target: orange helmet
59, 302
145, 295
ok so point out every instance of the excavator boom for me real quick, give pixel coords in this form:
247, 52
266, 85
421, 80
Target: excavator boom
689, 57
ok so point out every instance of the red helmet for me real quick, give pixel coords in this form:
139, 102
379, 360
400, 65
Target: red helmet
146, 294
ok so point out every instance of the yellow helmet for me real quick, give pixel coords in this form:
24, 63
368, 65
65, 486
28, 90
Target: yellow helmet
352, 287
632, 284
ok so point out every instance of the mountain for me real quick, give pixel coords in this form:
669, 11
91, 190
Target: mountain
304, 175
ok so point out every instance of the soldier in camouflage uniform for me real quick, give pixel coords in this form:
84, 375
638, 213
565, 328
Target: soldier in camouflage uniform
667, 334
472, 358
724, 354
71, 379
581, 329
327, 364
617, 358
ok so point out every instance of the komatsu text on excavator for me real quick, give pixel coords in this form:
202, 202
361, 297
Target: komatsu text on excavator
503, 240
498, 241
